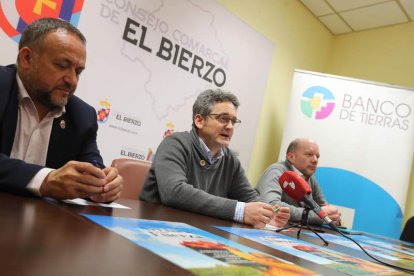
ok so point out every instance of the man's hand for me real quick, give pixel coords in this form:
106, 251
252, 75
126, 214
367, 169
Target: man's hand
113, 187
257, 214
73, 180
333, 213
281, 216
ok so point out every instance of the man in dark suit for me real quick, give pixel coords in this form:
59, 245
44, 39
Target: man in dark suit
48, 136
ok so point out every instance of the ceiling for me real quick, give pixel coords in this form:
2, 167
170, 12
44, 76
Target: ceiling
344, 16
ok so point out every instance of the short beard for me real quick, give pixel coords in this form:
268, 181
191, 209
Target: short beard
45, 98
42, 96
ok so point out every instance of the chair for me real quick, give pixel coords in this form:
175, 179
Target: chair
408, 231
134, 173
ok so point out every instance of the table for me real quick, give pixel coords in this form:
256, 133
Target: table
48, 237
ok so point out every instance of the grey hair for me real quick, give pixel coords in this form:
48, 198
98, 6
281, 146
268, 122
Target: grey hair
35, 33
206, 100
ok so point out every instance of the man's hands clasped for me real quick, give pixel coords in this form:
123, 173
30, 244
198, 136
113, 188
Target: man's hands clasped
83, 180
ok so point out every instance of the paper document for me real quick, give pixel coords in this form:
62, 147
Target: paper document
270, 227
80, 201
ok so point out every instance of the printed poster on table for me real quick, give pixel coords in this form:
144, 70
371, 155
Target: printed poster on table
401, 257
196, 250
390, 240
311, 252
396, 246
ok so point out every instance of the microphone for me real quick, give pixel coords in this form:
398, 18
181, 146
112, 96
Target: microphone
298, 189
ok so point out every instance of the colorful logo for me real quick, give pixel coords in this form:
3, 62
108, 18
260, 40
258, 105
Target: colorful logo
317, 102
169, 130
15, 18
103, 111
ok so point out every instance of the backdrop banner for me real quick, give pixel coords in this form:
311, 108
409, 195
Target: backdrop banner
147, 62
365, 135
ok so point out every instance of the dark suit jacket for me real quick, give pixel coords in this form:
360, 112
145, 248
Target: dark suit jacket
75, 141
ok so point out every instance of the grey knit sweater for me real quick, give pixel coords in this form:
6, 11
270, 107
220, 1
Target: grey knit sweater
181, 177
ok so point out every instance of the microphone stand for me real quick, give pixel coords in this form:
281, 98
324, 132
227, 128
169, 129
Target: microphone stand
304, 223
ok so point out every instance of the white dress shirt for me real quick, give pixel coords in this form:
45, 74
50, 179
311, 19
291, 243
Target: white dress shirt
32, 136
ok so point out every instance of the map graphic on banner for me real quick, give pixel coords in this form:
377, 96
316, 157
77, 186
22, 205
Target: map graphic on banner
311, 252
402, 259
197, 250
147, 60
365, 133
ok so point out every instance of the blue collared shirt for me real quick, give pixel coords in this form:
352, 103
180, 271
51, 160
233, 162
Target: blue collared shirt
211, 159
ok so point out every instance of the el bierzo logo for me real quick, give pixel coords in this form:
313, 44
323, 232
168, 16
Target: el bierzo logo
27, 11
317, 102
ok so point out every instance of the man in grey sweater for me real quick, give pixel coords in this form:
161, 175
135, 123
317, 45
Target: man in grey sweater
196, 170
301, 157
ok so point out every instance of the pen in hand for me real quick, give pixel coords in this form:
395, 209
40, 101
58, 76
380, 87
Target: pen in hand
96, 164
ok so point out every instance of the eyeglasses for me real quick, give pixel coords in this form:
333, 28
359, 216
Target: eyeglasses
224, 118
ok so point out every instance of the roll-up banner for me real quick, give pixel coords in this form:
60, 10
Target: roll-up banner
365, 133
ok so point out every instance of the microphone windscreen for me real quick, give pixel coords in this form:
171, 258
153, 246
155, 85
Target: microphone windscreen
294, 185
